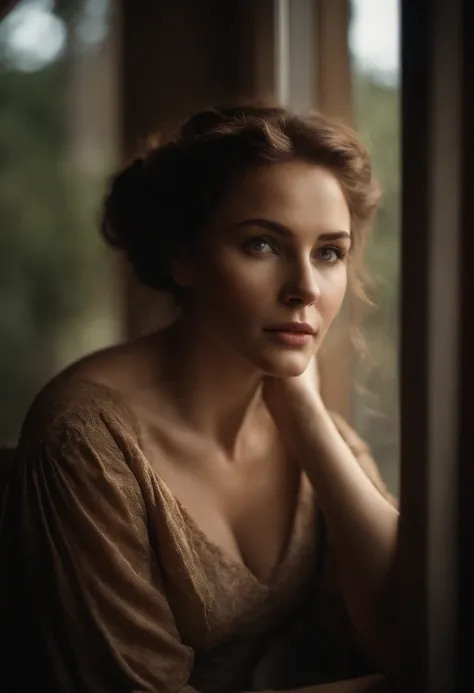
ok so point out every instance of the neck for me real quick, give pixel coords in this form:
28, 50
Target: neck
213, 390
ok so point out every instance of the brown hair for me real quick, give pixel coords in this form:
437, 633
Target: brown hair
162, 199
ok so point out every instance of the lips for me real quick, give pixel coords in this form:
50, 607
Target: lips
295, 327
291, 334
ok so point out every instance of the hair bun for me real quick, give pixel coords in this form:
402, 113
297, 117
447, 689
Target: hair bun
124, 199
131, 222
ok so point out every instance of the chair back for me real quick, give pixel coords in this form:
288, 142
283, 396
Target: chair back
7, 455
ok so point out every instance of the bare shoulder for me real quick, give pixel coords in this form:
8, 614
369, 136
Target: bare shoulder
99, 386
123, 367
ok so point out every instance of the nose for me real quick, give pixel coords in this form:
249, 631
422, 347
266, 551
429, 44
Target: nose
302, 288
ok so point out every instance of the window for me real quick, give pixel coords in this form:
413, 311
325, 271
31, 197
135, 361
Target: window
374, 35
58, 298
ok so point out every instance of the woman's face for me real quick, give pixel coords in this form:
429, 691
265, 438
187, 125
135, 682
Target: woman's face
273, 256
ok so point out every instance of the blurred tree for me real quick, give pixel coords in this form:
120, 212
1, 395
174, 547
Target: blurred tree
377, 118
49, 248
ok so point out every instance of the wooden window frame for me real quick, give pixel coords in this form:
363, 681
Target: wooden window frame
436, 560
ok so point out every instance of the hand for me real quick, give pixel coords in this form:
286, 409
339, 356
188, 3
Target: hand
287, 397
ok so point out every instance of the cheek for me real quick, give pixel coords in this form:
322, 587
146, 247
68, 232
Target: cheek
236, 284
333, 290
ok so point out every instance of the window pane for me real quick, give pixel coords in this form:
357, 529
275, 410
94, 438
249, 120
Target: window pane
58, 295
374, 36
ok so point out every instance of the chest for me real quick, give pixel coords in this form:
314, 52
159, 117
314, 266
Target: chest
254, 563
245, 512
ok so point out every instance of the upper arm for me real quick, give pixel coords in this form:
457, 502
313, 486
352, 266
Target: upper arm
84, 567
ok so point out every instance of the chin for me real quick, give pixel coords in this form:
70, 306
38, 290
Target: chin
286, 365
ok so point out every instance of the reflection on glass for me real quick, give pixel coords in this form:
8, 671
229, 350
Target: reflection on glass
374, 38
57, 143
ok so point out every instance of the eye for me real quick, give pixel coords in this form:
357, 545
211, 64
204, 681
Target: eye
259, 246
330, 254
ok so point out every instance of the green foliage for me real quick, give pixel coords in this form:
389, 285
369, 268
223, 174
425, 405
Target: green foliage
47, 249
378, 122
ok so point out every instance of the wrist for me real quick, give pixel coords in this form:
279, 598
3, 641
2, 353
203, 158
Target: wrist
304, 423
311, 410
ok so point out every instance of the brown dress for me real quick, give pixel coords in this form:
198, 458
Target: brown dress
108, 586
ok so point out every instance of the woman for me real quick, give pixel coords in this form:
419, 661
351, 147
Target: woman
165, 529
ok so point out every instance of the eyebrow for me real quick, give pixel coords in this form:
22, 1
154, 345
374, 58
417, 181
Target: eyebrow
283, 230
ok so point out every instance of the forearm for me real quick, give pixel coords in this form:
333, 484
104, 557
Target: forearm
362, 525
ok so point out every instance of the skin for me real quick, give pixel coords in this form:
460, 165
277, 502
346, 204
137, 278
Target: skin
232, 416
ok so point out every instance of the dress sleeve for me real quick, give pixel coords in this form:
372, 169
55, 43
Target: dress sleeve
340, 651
81, 564
362, 453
